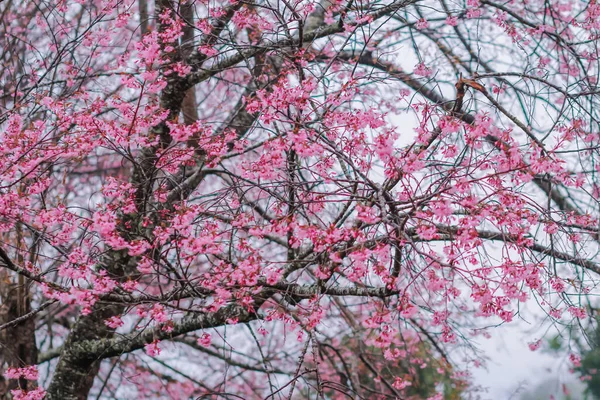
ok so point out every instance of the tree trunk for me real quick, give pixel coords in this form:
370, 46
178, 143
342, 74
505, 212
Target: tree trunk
17, 343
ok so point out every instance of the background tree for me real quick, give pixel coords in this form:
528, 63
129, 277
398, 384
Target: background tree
369, 368
561, 390
204, 198
584, 343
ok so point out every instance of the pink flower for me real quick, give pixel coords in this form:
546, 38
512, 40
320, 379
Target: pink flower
36, 394
551, 228
204, 25
452, 21
366, 214
204, 340
114, 322
474, 13
557, 284
145, 265
263, 331
506, 315
555, 313
130, 285
427, 232
533, 346
441, 208
158, 313
30, 373
208, 51
577, 312
409, 311
400, 383
152, 349
273, 275
422, 70
422, 24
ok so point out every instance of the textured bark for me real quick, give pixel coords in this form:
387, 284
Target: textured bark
17, 343
189, 106
143, 8
75, 372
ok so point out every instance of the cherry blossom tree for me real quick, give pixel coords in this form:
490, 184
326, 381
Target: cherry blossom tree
290, 198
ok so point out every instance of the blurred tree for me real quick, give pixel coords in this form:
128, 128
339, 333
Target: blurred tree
364, 370
557, 390
584, 344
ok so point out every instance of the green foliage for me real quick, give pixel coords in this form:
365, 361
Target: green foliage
587, 345
427, 372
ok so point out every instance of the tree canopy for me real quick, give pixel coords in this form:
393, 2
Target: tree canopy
281, 199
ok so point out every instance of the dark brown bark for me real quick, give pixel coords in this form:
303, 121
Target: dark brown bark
189, 107
75, 372
17, 343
